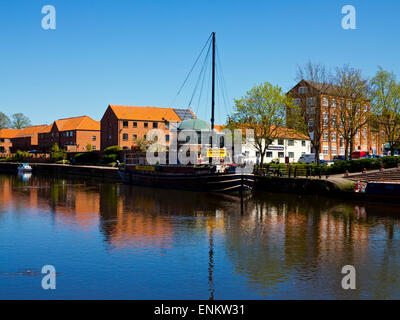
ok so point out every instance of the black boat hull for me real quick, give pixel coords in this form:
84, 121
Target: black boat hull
216, 182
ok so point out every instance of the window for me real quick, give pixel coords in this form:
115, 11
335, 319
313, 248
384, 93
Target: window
333, 103
303, 143
280, 142
325, 102
341, 151
144, 137
93, 147
325, 150
333, 137
166, 125
125, 124
155, 125
93, 138
310, 101
325, 119
109, 137
2, 140
290, 143
146, 125
67, 134
365, 134
167, 137
281, 154
326, 136
134, 124
269, 154
125, 136
333, 151
333, 120
311, 122
134, 137
302, 90
291, 155
297, 101
311, 110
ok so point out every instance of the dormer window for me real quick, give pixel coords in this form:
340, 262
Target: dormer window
302, 90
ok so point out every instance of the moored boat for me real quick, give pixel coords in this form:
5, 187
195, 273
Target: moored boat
191, 177
211, 169
24, 167
378, 190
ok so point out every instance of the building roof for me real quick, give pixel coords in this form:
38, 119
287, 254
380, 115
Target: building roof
9, 133
150, 113
77, 123
194, 124
29, 131
281, 133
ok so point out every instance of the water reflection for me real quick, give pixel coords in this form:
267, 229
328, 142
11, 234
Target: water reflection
25, 176
280, 246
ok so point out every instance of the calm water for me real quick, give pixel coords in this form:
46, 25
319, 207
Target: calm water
112, 241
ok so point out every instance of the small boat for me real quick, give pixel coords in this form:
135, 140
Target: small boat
24, 167
389, 190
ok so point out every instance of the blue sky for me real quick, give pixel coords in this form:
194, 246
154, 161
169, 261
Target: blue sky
139, 52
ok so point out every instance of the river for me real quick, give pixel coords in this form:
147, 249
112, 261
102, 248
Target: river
112, 241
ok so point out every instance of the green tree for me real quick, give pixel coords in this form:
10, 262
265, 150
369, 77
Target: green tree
263, 110
20, 121
320, 76
4, 121
89, 147
385, 98
352, 110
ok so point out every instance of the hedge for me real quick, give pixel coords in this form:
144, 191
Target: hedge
86, 158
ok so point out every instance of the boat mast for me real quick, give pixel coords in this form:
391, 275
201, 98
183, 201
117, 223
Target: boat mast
213, 84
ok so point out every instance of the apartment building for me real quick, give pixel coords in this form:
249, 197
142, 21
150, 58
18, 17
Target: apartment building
5, 139
319, 105
288, 143
72, 134
124, 125
27, 138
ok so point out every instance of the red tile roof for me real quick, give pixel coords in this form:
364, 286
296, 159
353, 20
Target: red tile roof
29, 131
77, 123
9, 133
145, 113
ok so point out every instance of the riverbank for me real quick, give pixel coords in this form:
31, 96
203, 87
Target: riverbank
106, 173
333, 185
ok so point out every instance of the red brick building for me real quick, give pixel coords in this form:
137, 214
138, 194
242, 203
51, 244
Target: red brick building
5, 140
72, 134
27, 138
124, 125
319, 108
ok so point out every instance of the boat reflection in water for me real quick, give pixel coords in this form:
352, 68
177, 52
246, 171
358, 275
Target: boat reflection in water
24, 176
143, 243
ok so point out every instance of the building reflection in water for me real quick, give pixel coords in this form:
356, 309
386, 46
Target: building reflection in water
275, 242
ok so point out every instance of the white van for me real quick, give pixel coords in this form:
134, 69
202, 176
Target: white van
309, 158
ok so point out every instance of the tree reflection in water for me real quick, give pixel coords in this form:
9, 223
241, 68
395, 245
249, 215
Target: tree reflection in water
281, 245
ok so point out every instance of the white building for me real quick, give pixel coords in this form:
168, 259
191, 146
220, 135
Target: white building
289, 143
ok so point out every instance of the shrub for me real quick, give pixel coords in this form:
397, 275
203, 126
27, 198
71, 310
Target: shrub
109, 158
86, 158
112, 150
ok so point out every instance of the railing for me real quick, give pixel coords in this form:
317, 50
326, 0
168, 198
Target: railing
293, 171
